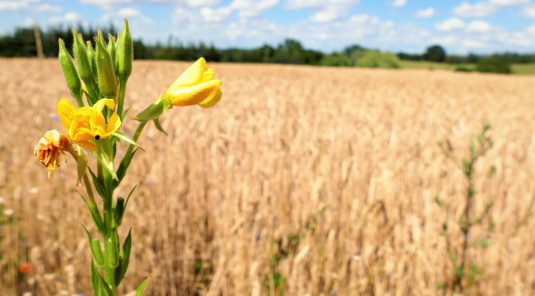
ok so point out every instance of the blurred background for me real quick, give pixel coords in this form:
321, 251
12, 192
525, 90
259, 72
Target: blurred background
456, 34
350, 139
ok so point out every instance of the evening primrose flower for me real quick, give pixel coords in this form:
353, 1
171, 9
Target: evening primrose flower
87, 125
50, 149
196, 86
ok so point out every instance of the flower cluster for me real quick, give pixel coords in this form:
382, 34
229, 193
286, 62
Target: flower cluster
97, 79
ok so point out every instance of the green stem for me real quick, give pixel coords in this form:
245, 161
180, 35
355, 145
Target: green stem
120, 98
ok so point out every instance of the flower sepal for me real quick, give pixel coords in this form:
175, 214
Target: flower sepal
154, 111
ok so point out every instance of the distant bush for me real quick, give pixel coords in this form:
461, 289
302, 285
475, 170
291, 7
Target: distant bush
378, 59
336, 59
463, 69
494, 64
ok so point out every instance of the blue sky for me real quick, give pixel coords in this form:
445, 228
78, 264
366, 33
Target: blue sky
480, 26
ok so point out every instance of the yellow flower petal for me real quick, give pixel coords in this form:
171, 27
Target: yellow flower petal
212, 99
194, 94
192, 75
113, 124
65, 111
99, 106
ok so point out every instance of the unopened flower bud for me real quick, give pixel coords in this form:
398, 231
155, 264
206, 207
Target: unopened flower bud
125, 53
69, 71
112, 51
82, 60
107, 82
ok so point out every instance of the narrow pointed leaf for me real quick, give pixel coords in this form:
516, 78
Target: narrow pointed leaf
98, 185
126, 139
141, 287
159, 126
125, 257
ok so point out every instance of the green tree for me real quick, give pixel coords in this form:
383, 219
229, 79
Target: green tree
435, 53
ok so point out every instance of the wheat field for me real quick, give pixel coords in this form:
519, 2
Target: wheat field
333, 171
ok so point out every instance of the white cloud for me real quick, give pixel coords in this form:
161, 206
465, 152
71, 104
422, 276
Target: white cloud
484, 8
183, 15
450, 24
70, 18
426, 12
201, 3
216, 15
478, 27
132, 13
480, 9
251, 8
399, 3
326, 10
529, 11
45, 7
298, 4
473, 44
107, 4
508, 2
33, 5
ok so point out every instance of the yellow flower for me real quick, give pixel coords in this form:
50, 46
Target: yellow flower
87, 125
196, 86
49, 149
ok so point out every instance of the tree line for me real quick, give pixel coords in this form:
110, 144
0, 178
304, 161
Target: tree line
21, 43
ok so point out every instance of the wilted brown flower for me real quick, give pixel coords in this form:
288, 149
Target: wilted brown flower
50, 148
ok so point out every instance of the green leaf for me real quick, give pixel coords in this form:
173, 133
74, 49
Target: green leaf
125, 257
482, 243
95, 215
129, 195
154, 110
438, 201
98, 184
97, 251
119, 210
158, 125
125, 163
95, 280
107, 164
81, 165
141, 287
126, 139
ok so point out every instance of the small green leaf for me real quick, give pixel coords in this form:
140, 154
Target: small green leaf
126, 139
125, 163
482, 243
98, 184
97, 252
107, 164
141, 287
119, 210
158, 125
95, 280
125, 256
438, 201
95, 215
